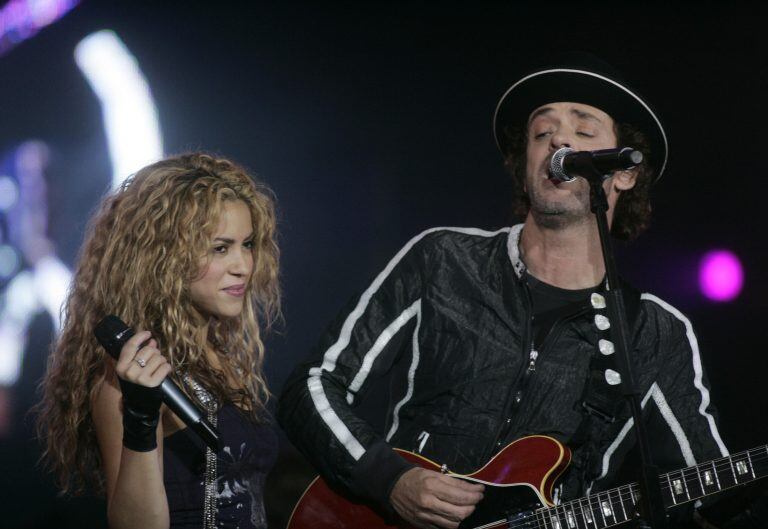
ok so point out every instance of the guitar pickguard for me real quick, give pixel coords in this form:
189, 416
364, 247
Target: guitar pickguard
501, 503
519, 477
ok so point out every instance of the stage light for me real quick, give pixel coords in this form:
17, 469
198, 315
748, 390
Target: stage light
16, 315
37, 280
721, 276
9, 192
129, 113
52, 279
21, 19
9, 261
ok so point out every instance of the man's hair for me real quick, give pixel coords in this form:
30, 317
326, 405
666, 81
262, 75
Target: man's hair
633, 208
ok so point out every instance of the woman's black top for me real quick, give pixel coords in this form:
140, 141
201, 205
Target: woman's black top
247, 453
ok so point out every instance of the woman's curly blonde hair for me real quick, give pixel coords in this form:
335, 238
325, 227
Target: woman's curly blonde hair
143, 247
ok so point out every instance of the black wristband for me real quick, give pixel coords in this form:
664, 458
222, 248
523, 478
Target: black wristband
141, 413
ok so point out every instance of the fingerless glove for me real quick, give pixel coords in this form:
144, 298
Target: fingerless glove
141, 412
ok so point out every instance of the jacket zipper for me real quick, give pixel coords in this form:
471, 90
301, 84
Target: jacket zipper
506, 421
523, 380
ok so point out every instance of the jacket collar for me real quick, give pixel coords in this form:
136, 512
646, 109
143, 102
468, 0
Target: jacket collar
513, 249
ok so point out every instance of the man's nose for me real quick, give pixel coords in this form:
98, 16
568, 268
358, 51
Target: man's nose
561, 139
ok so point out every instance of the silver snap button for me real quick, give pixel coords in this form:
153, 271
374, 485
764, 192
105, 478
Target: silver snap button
597, 300
602, 322
605, 346
612, 377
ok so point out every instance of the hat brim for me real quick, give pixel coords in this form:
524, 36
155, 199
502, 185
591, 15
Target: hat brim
590, 88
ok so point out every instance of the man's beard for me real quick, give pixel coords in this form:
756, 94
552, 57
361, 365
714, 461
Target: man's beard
555, 214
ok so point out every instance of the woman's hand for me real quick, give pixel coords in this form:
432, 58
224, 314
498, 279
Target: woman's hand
140, 371
144, 366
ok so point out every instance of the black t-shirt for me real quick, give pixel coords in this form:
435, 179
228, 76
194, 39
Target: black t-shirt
550, 302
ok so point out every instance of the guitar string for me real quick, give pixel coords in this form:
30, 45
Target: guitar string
596, 501
724, 464
750, 457
541, 519
557, 516
692, 474
576, 508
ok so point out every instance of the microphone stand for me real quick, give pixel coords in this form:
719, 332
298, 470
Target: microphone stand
651, 504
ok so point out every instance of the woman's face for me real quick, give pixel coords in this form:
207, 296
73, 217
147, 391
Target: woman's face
220, 288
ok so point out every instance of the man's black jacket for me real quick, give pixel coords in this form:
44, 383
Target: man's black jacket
453, 305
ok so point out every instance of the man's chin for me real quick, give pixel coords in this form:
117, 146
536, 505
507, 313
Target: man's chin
550, 219
555, 217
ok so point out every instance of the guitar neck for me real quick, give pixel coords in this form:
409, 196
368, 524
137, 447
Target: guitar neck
615, 506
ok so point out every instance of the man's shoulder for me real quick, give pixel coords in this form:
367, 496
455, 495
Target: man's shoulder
458, 237
663, 314
462, 248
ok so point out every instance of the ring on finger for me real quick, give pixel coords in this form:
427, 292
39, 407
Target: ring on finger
141, 362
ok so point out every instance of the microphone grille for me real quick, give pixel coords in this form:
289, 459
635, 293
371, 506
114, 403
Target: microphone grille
556, 165
111, 332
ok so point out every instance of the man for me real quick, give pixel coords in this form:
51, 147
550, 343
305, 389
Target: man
506, 333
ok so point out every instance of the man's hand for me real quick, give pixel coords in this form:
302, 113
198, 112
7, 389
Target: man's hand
428, 499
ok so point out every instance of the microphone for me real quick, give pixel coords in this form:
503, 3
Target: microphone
566, 164
112, 333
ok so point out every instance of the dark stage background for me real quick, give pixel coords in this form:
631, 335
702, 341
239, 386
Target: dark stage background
372, 122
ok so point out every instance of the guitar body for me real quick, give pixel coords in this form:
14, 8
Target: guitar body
520, 477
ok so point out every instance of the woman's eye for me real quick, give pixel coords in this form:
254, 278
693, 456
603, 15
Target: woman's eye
219, 249
542, 134
249, 245
585, 134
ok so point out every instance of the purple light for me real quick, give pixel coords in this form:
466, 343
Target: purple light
21, 19
720, 275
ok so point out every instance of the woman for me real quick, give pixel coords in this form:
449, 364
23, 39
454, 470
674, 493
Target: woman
185, 253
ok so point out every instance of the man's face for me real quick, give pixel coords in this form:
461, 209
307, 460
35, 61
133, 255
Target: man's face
551, 127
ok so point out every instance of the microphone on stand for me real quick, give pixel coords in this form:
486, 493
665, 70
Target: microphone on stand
112, 333
566, 164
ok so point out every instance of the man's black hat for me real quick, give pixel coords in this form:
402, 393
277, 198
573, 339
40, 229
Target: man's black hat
582, 78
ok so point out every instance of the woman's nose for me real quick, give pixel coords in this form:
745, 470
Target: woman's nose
240, 264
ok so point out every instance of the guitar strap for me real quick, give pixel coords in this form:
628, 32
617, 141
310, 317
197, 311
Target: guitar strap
602, 401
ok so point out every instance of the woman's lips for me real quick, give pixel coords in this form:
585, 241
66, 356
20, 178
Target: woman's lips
236, 290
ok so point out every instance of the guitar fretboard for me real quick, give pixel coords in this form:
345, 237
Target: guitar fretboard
615, 506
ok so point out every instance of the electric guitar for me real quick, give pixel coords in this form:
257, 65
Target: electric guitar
519, 483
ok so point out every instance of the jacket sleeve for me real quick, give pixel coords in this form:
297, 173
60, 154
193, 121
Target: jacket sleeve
683, 399
684, 432
316, 405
